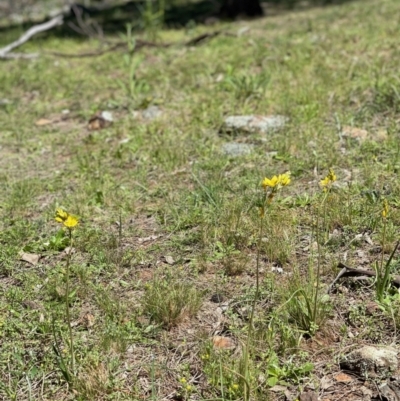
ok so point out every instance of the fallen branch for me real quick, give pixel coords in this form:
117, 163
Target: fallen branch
58, 20
201, 38
112, 47
13, 56
140, 44
352, 272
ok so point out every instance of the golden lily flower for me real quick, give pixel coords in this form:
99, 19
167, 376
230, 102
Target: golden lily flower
272, 183
332, 175
66, 219
61, 216
325, 182
71, 222
284, 179
328, 180
277, 181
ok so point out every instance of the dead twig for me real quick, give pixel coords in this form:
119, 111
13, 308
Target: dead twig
352, 272
201, 38
5, 51
140, 44
112, 47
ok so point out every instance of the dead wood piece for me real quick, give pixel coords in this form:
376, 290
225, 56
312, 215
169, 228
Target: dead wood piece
201, 38
138, 45
58, 20
352, 272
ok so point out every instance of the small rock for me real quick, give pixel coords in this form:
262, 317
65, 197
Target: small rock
252, 123
151, 113
235, 149
107, 115
31, 258
169, 259
370, 361
223, 342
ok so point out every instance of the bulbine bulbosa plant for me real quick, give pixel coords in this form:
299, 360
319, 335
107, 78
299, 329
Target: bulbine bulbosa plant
271, 186
69, 222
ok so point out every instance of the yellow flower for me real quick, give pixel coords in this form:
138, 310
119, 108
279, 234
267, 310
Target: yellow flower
325, 182
61, 215
188, 387
71, 222
182, 380
385, 210
66, 219
284, 179
277, 181
272, 183
328, 180
332, 175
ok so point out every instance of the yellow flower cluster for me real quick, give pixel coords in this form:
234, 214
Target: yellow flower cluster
276, 182
328, 180
66, 219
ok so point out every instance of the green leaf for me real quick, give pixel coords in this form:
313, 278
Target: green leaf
272, 381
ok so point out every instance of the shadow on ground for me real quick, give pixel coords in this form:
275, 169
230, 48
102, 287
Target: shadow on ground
114, 19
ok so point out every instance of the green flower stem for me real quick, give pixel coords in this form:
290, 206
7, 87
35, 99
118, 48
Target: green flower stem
383, 246
318, 268
71, 340
253, 307
382, 276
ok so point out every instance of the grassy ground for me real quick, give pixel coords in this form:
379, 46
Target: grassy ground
165, 259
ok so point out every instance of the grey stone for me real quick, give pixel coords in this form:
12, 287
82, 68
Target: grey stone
371, 361
151, 113
4, 102
252, 123
107, 115
235, 149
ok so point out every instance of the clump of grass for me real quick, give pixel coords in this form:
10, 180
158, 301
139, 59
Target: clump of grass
94, 380
168, 300
246, 86
307, 308
383, 270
